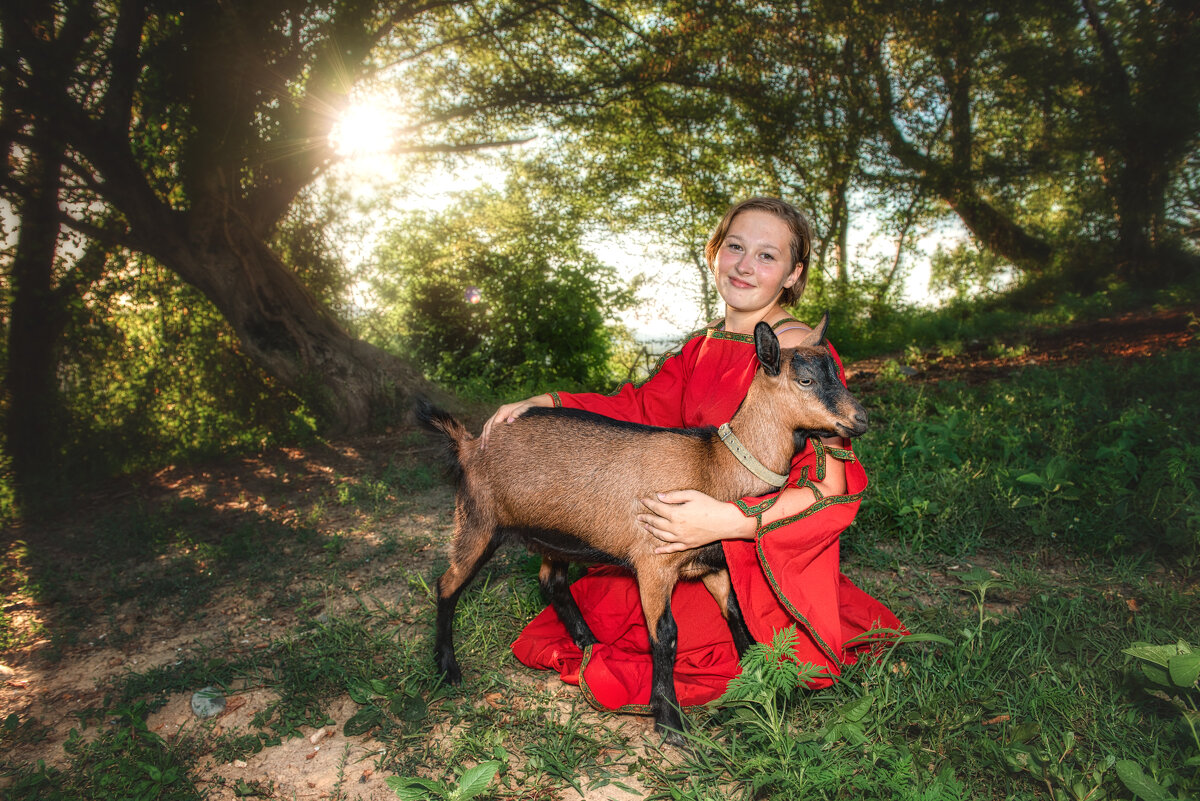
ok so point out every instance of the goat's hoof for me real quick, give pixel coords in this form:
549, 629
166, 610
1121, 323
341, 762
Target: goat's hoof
672, 728
451, 674
673, 737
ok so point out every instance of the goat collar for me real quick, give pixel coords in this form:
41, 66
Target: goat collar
747, 459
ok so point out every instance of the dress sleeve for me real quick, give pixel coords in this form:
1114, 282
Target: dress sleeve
657, 402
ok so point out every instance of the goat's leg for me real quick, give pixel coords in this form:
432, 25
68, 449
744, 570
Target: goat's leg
664, 704
473, 547
718, 583
553, 578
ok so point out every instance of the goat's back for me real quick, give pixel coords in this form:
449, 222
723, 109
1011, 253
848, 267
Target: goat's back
580, 473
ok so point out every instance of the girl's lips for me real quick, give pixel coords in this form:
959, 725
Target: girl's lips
740, 284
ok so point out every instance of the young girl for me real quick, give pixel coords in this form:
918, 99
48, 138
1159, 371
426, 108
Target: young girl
782, 549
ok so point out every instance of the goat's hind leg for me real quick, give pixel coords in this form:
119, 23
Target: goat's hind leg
721, 588
553, 579
473, 547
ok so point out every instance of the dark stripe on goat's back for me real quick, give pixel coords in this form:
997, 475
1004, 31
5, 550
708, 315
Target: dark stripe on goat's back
700, 432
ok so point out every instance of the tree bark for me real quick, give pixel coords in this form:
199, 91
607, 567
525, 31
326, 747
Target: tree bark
35, 329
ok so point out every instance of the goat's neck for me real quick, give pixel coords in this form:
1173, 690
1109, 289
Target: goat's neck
764, 431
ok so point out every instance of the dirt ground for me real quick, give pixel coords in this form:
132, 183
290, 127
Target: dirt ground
54, 683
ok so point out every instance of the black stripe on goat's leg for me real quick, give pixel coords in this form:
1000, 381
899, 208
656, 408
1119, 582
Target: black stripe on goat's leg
450, 585
721, 588
553, 578
664, 704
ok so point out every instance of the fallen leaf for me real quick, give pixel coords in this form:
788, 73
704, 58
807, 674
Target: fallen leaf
997, 719
1132, 604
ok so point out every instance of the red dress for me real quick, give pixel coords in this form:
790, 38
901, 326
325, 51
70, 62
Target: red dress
787, 576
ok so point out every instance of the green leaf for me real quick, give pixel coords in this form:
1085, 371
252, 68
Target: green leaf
926, 637
410, 788
362, 721
409, 707
1032, 478
1138, 783
856, 710
1184, 668
476, 780
1156, 654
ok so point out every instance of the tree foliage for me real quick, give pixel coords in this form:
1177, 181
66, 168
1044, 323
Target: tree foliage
498, 294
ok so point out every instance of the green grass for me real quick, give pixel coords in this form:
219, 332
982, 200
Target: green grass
1037, 527
1102, 457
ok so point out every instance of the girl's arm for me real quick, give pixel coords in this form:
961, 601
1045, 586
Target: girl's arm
685, 519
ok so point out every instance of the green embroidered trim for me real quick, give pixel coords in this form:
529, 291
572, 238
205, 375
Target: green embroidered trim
795, 613
841, 454
718, 331
805, 481
675, 351
832, 500
714, 333
766, 568
758, 508
557, 400
819, 449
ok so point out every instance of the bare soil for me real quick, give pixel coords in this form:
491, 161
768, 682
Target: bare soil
61, 667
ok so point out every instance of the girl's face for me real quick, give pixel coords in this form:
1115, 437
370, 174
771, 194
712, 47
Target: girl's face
754, 263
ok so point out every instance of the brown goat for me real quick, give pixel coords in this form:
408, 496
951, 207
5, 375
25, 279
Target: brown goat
568, 484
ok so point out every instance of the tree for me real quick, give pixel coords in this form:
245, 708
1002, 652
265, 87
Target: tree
194, 126
1142, 105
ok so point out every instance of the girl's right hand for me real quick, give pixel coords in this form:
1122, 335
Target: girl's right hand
511, 411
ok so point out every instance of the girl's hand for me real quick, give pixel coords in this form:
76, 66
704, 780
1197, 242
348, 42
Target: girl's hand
509, 412
685, 519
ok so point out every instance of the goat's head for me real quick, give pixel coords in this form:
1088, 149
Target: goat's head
806, 378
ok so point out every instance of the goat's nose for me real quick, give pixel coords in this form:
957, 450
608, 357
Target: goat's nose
860, 420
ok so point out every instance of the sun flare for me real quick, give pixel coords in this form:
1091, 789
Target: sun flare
365, 129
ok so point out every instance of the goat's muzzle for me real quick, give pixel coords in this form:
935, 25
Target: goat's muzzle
857, 425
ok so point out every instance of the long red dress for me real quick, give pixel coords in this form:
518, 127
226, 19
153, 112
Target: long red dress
788, 575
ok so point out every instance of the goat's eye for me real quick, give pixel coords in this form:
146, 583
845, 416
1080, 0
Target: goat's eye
805, 382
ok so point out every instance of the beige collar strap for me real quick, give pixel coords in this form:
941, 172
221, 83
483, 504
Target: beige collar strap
747, 459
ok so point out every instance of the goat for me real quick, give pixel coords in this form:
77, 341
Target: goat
567, 483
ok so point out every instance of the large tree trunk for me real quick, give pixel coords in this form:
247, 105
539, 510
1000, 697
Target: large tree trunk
35, 328
283, 328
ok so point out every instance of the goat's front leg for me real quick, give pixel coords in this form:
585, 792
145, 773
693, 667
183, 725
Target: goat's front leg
553, 579
664, 704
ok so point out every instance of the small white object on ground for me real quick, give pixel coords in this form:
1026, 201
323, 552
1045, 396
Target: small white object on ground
208, 702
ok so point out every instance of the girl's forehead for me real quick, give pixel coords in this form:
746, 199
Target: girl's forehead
761, 226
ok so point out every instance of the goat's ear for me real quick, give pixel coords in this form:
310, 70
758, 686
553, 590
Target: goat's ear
766, 345
816, 336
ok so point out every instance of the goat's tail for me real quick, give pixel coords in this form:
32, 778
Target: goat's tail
446, 424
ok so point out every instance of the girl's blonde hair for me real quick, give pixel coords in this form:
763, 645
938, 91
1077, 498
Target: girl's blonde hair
797, 223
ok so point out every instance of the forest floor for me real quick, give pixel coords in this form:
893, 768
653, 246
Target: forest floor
230, 558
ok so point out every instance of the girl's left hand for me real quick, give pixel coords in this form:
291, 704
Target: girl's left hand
685, 519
